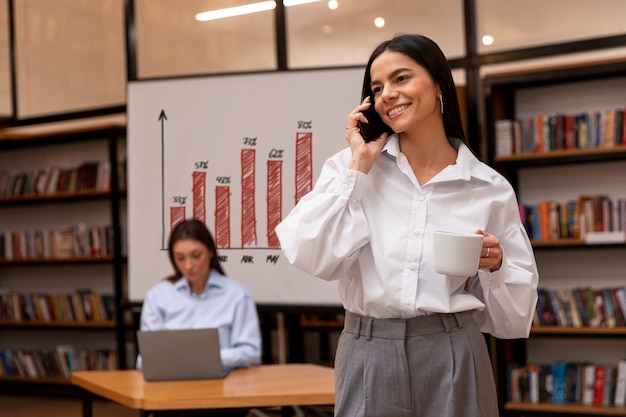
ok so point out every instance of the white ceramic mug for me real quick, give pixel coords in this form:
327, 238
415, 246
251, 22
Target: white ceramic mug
457, 254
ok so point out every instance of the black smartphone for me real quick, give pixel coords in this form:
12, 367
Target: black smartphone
376, 127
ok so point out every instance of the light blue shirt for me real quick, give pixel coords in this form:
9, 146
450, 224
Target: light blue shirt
225, 304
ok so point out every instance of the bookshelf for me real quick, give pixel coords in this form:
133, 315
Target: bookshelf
565, 169
62, 250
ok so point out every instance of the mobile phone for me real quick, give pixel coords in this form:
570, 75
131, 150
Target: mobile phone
375, 126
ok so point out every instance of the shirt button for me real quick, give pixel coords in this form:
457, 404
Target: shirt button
412, 266
344, 186
421, 197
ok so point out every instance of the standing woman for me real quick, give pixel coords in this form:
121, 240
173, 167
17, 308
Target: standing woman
200, 295
412, 342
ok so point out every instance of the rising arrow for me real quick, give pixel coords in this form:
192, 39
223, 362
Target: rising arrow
162, 118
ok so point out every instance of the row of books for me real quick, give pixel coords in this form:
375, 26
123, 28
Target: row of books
562, 382
550, 132
78, 306
64, 242
90, 175
58, 362
581, 307
575, 218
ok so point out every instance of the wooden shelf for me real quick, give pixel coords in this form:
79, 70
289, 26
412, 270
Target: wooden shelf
567, 156
566, 408
108, 325
578, 331
512, 96
60, 261
565, 153
62, 132
312, 321
107, 136
573, 243
57, 197
39, 380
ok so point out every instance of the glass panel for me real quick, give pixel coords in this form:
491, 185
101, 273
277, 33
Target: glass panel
320, 36
539, 22
52, 33
5, 69
170, 41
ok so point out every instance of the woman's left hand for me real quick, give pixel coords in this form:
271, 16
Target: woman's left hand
491, 253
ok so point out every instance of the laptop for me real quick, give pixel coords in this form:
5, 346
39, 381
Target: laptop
169, 355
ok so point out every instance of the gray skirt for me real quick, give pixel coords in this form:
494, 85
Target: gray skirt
429, 366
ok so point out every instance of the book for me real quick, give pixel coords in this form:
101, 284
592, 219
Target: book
620, 301
544, 308
598, 389
559, 312
591, 310
589, 380
504, 137
610, 373
568, 305
518, 383
66, 359
617, 308
559, 382
533, 383
573, 381
620, 384
545, 383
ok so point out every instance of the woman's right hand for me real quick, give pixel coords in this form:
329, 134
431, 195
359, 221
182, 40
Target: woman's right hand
363, 153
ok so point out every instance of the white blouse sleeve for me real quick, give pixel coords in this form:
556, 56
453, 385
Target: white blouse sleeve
325, 231
510, 293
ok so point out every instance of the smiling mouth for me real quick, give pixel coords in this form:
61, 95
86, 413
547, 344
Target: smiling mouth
397, 110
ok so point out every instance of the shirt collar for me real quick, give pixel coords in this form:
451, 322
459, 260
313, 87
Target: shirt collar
214, 281
467, 164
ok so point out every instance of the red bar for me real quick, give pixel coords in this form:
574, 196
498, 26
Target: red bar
177, 215
274, 200
199, 195
304, 164
222, 216
248, 215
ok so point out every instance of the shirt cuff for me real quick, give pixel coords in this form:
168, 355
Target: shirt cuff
493, 279
350, 184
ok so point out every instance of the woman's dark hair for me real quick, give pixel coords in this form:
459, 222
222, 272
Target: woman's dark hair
196, 230
427, 54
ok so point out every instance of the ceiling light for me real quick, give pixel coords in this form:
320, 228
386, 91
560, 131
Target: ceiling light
246, 9
288, 3
379, 22
487, 40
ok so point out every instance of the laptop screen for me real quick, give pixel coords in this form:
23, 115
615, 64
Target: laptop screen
180, 354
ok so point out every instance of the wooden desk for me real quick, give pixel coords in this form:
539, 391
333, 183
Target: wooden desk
258, 386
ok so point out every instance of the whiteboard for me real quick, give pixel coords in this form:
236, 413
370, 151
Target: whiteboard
236, 151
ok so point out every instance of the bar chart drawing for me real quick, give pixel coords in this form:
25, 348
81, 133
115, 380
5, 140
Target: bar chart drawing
199, 195
248, 206
239, 163
274, 200
304, 164
248, 172
222, 216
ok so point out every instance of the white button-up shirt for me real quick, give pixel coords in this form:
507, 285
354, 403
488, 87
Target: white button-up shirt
373, 232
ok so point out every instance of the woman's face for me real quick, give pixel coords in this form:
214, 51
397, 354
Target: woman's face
193, 260
405, 94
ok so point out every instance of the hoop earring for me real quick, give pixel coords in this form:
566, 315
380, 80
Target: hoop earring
441, 102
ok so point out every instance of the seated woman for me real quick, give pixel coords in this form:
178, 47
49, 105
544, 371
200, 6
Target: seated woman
200, 295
